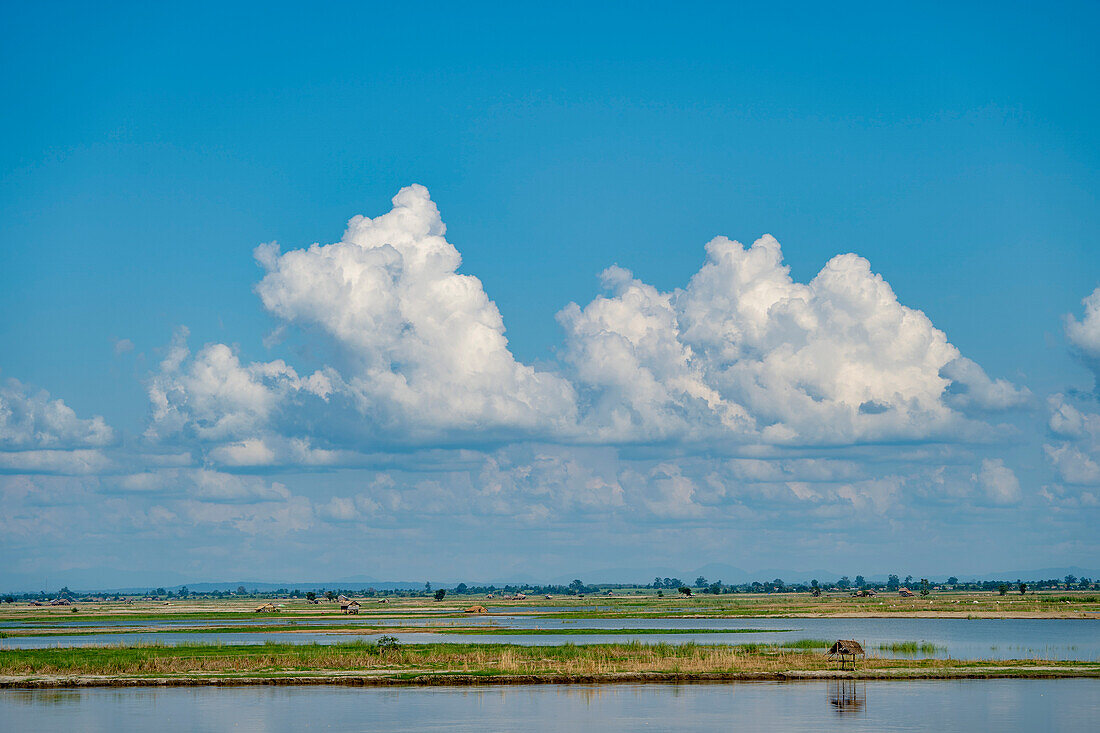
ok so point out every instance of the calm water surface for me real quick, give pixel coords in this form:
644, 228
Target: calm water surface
1075, 639
1007, 706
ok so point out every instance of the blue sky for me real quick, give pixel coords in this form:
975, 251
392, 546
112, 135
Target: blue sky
146, 152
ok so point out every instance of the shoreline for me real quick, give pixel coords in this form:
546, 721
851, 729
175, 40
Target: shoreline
461, 679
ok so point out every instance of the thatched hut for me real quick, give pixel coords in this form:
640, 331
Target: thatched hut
352, 607
266, 608
846, 650
905, 593
477, 609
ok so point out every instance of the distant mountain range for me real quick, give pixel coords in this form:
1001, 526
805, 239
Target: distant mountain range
112, 580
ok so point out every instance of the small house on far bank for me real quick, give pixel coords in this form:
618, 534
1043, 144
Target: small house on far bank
352, 607
905, 593
266, 608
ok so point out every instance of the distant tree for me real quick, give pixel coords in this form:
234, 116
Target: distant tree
657, 582
1023, 588
1070, 580
813, 583
660, 594
9, 599
860, 581
700, 582
577, 585
330, 595
952, 580
440, 594
684, 590
240, 590
844, 583
427, 587
461, 588
183, 592
908, 579
716, 587
778, 583
161, 592
1002, 588
924, 589
311, 596
892, 582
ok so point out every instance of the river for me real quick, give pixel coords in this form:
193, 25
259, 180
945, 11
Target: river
1007, 706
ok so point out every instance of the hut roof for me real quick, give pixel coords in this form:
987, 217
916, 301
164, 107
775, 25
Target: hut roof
477, 609
846, 646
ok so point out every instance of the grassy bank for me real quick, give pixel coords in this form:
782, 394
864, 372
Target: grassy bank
371, 663
625, 604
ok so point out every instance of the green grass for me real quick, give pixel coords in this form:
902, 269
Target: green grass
489, 631
807, 644
910, 647
597, 661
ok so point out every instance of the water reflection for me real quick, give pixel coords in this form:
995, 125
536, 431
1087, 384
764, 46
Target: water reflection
43, 697
1007, 706
848, 697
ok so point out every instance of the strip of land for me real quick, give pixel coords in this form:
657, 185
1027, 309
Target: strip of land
345, 629
476, 664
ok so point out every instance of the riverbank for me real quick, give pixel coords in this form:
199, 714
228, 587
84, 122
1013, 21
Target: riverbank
477, 664
636, 605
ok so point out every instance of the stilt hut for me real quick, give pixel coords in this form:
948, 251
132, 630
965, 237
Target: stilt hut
846, 651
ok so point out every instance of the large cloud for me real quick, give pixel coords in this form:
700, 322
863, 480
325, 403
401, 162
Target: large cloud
427, 345
746, 352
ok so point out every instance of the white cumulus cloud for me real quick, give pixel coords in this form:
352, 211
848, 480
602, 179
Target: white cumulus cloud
745, 351
30, 420
426, 343
1084, 335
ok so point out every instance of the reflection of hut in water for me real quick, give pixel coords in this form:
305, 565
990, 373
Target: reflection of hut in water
847, 696
846, 651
